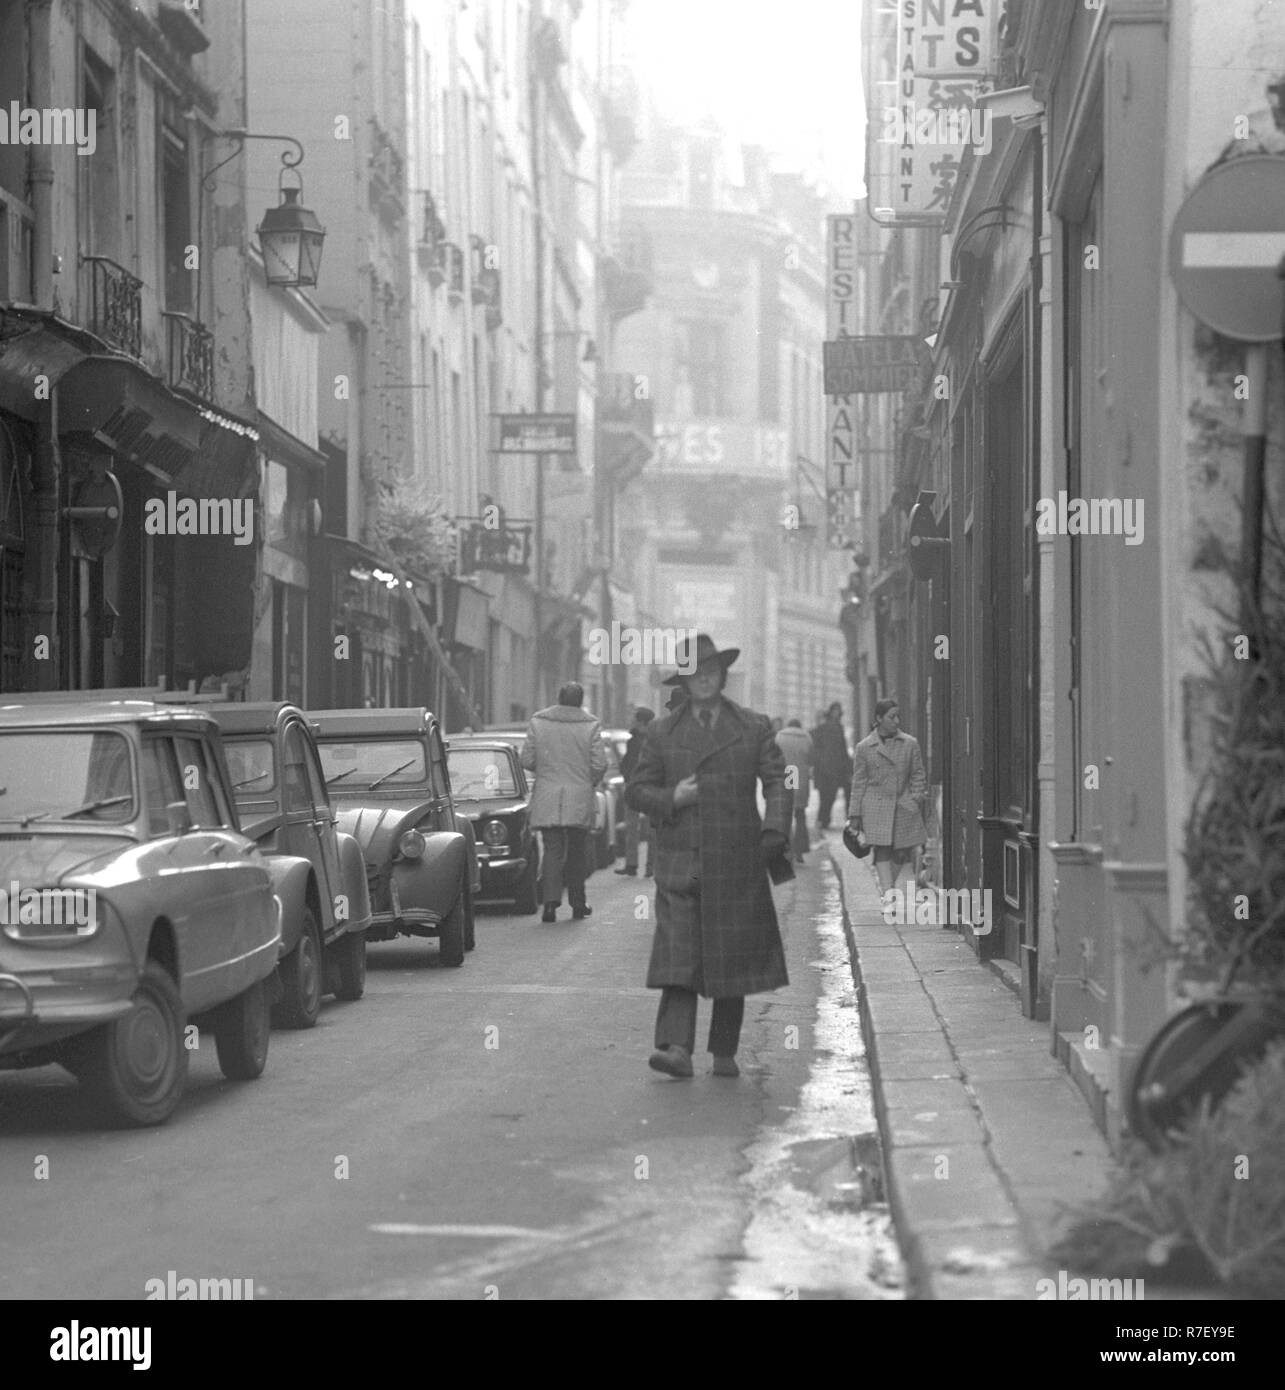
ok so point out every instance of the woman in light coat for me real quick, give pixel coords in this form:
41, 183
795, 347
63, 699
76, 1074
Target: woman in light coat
889, 792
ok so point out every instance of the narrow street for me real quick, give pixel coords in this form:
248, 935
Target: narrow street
501, 1133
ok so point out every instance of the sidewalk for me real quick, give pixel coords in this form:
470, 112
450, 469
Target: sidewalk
985, 1136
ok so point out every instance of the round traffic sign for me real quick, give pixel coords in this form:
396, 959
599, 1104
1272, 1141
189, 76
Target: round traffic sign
1225, 244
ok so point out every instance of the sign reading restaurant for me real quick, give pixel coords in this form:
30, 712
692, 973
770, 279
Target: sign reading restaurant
537, 434
862, 366
926, 61
843, 500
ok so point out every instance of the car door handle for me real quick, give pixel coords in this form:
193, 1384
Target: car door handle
217, 847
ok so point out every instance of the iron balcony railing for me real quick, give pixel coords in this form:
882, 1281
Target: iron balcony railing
189, 354
115, 305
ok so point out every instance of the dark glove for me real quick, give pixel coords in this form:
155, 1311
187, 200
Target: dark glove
773, 843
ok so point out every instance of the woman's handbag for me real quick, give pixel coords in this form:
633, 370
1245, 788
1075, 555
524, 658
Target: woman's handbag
855, 841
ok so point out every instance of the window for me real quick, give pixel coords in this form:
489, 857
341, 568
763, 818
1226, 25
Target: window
175, 209
101, 202
698, 369
298, 796
198, 782
161, 784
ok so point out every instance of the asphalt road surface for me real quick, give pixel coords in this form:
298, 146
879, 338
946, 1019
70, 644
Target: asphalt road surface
491, 1131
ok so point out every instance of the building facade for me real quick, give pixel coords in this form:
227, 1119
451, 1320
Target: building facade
1054, 667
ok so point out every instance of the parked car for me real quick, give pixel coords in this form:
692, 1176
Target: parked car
614, 785
607, 812
387, 775
118, 814
489, 785
317, 869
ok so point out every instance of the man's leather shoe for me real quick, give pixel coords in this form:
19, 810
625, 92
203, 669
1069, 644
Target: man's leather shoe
580, 913
672, 1060
726, 1066
633, 873
550, 912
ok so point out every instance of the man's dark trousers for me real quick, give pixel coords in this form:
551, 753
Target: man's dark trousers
676, 1021
565, 861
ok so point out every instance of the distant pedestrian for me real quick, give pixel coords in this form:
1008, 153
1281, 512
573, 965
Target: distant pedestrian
564, 748
889, 793
637, 826
716, 928
831, 764
777, 725
796, 748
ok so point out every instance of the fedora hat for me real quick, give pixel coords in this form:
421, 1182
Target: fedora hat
705, 651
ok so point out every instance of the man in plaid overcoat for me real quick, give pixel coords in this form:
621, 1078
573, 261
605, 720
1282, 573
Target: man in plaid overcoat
716, 928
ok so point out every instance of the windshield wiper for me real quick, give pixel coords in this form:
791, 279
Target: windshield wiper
246, 781
347, 772
95, 806
408, 763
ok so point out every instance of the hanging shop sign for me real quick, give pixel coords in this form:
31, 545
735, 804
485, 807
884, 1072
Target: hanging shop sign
926, 62
537, 434
843, 510
868, 365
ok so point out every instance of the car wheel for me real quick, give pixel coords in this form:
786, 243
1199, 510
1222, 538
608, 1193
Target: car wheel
450, 938
301, 980
350, 966
470, 926
137, 1065
527, 900
241, 1033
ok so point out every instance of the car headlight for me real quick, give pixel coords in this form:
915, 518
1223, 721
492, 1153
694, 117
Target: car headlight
495, 833
51, 915
411, 844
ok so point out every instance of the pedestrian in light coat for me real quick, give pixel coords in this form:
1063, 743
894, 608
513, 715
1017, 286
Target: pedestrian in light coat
889, 792
796, 748
563, 747
716, 929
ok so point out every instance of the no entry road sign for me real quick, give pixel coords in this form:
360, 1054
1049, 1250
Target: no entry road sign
1227, 240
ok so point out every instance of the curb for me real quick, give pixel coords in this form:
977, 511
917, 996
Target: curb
918, 1276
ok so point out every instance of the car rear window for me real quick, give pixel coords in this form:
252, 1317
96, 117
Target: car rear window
478, 773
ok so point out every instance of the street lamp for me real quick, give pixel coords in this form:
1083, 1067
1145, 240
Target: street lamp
290, 235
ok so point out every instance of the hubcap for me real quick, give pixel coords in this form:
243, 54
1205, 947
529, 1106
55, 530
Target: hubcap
145, 1045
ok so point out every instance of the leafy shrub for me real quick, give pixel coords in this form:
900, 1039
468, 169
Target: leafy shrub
1211, 1207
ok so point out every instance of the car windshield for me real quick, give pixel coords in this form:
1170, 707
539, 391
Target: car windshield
478, 773
370, 763
252, 767
66, 775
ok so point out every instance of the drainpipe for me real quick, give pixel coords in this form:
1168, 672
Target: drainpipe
42, 609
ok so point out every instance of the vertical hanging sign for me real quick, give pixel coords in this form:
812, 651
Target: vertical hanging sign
843, 498
926, 61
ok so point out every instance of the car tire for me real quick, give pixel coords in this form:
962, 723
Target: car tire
527, 900
242, 1029
350, 966
450, 938
303, 981
136, 1066
470, 926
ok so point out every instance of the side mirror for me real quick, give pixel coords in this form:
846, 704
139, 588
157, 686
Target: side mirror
179, 817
